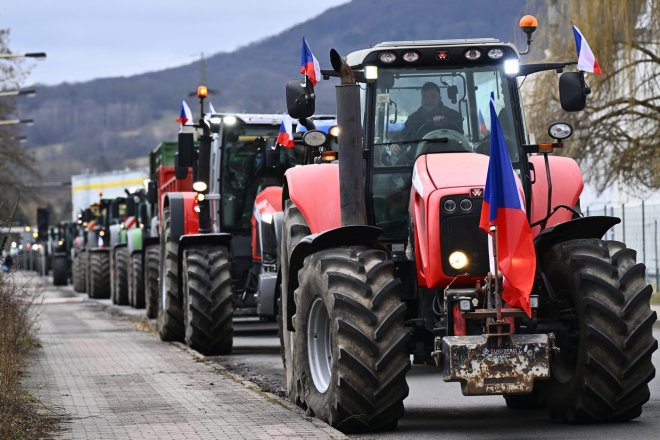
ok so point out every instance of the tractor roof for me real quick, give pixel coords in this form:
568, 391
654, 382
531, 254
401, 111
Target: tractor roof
368, 56
252, 118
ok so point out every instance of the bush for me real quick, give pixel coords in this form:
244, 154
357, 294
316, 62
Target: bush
19, 417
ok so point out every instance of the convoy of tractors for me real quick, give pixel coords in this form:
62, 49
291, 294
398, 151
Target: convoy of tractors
362, 240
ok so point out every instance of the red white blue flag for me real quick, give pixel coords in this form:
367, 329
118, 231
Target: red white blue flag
503, 207
185, 115
587, 61
309, 65
285, 135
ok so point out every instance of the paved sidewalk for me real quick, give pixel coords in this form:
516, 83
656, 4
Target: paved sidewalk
109, 381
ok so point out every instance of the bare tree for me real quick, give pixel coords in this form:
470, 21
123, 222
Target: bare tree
16, 164
618, 135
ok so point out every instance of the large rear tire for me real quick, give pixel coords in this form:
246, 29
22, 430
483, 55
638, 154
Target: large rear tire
350, 343
602, 371
60, 270
121, 276
151, 260
135, 282
208, 300
99, 275
170, 307
294, 229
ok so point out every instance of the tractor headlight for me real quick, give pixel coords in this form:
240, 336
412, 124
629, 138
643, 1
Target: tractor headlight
314, 138
458, 260
200, 186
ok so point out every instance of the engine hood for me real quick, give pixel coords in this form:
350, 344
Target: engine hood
449, 170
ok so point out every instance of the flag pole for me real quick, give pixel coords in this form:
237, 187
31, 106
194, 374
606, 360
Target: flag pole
498, 298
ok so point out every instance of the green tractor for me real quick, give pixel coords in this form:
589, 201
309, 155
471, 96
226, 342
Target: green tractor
61, 245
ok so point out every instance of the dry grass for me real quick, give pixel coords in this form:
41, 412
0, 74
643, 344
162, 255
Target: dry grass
20, 417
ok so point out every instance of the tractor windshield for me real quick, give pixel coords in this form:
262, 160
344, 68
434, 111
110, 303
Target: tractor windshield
436, 111
244, 172
424, 111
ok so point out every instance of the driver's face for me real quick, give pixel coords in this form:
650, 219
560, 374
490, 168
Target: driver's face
430, 98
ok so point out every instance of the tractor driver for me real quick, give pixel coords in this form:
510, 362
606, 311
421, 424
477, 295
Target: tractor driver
431, 115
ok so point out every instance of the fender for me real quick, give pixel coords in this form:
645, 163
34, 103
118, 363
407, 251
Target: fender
341, 236
148, 241
585, 227
134, 240
567, 185
266, 204
315, 191
183, 218
188, 240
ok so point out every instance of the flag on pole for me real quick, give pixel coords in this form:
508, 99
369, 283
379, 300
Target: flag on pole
503, 207
483, 129
586, 59
309, 65
211, 108
185, 115
285, 135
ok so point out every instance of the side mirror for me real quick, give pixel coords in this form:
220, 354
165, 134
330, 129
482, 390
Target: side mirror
130, 206
272, 153
300, 99
180, 172
152, 192
573, 91
186, 149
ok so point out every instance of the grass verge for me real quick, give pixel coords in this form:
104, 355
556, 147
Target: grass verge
20, 415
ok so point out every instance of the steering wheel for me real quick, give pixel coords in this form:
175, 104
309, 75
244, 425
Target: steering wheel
454, 138
430, 126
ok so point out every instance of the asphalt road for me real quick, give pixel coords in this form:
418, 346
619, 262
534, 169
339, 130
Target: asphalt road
435, 409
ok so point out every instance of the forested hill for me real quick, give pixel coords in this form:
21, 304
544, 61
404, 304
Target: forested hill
100, 124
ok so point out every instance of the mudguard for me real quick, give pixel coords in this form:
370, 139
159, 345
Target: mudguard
134, 240
266, 204
567, 185
184, 220
585, 227
341, 236
188, 240
315, 191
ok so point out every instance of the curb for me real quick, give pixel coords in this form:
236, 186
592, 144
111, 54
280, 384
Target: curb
151, 327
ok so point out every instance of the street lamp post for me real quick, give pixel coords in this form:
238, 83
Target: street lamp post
23, 55
24, 92
17, 121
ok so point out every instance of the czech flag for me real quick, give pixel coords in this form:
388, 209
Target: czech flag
483, 129
587, 62
503, 207
309, 65
185, 115
285, 135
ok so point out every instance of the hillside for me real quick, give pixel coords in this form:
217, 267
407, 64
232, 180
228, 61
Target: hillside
100, 124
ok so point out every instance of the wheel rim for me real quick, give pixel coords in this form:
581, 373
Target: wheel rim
319, 350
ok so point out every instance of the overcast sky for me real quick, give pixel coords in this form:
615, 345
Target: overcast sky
87, 39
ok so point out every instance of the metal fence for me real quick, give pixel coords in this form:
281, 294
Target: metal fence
638, 229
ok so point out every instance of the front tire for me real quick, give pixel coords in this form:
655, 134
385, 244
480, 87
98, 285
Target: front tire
121, 276
603, 369
151, 260
208, 300
135, 283
350, 343
99, 275
60, 270
80, 272
170, 308
294, 229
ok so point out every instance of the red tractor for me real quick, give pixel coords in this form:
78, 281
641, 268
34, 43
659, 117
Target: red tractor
382, 256
218, 249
